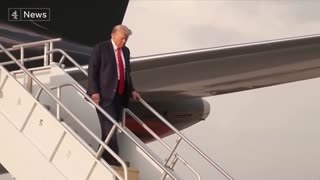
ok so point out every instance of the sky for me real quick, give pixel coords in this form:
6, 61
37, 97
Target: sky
269, 133
166, 26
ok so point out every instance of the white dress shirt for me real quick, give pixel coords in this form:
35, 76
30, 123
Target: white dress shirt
124, 63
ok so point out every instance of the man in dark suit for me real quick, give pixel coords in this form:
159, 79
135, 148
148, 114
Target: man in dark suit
109, 82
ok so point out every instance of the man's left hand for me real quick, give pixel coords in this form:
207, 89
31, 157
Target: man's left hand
135, 95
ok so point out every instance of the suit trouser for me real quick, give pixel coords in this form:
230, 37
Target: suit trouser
114, 110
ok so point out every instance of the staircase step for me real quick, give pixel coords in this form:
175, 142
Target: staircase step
133, 173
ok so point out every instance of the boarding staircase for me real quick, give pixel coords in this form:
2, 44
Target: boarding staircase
38, 136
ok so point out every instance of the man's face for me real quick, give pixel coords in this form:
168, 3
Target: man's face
120, 38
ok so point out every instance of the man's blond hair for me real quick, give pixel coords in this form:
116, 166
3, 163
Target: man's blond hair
123, 28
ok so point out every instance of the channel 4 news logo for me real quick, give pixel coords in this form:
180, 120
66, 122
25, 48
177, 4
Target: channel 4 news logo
28, 14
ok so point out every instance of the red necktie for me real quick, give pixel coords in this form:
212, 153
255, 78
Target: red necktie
121, 72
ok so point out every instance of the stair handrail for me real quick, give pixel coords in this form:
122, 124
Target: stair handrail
141, 100
36, 43
192, 145
64, 54
172, 150
50, 52
119, 126
31, 44
42, 86
48, 46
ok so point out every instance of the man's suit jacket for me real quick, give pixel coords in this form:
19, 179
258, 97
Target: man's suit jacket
102, 73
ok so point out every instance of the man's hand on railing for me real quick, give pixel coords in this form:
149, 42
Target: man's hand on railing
96, 98
135, 95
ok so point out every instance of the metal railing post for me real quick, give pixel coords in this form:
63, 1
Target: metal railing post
45, 54
58, 105
50, 55
22, 55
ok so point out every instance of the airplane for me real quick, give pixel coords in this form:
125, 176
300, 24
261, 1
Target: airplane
173, 83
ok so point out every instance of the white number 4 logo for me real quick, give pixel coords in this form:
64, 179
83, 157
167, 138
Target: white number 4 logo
14, 15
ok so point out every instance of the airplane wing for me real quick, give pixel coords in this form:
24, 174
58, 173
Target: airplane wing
227, 69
